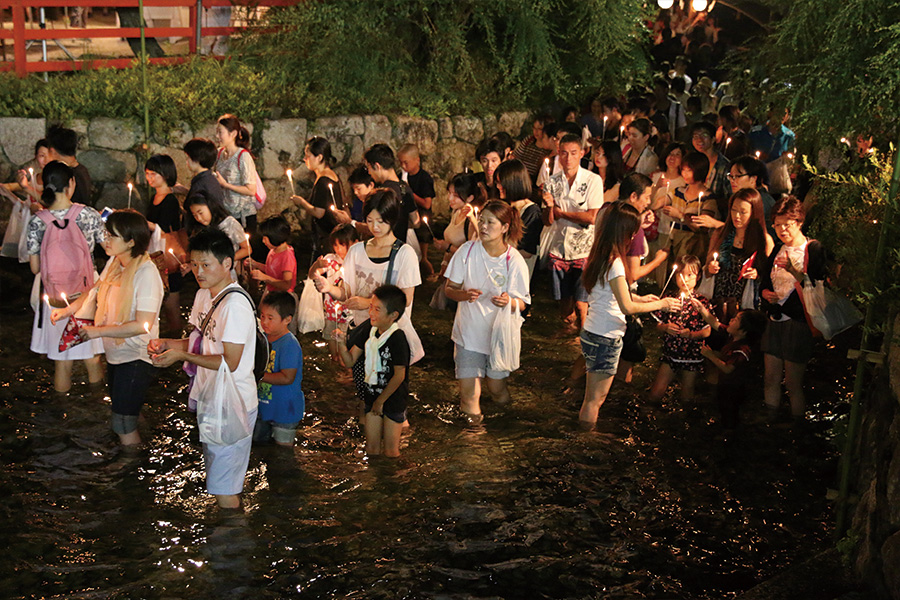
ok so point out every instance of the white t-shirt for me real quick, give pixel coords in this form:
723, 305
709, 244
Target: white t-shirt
572, 240
604, 317
363, 276
148, 296
474, 268
235, 323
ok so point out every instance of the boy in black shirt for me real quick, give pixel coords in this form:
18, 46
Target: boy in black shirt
732, 361
63, 144
379, 159
422, 185
201, 156
379, 353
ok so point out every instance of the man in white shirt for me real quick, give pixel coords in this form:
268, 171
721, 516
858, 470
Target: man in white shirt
230, 335
572, 198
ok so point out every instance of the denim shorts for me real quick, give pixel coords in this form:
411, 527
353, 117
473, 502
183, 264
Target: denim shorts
601, 354
470, 365
567, 284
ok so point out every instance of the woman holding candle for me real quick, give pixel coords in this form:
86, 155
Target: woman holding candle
165, 213
788, 341
236, 171
665, 182
609, 300
640, 158
743, 236
30, 181
326, 196
59, 186
687, 201
464, 195
129, 296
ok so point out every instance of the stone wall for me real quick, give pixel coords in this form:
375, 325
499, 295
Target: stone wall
875, 530
110, 149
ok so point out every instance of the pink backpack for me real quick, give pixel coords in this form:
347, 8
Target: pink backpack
66, 264
261, 195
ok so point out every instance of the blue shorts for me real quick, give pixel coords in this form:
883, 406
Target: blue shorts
601, 354
567, 284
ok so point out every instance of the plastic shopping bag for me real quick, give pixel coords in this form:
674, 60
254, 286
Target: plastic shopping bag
221, 412
506, 339
310, 309
828, 312
707, 287
748, 298
14, 240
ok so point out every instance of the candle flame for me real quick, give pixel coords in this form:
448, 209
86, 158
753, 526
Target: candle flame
65, 298
31, 170
130, 186
147, 328
715, 256
332, 207
289, 173
727, 141
47, 298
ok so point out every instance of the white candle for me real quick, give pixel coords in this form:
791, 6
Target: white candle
31, 174
674, 268
172, 252
65, 298
147, 327
331, 189
425, 220
699, 203
130, 189
290, 176
47, 299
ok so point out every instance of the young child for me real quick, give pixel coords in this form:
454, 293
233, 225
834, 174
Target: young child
363, 185
280, 269
230, 335
281, 401
336, 314
201, 156
202, 210
684, 329
379, 353
422, 185
735, 342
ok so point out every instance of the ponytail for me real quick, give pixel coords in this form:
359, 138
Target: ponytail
243, 138
233, 124
56, 176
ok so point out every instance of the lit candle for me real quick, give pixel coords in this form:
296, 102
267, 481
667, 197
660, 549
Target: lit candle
130, 189
791, 156
290, 176
332, 207
674, 268
727, 141
425, 220
172, 252
65, 298
699, 203
757, 154
845, 141
31, 174
603, 136
47, 299
147, 327
546, 170
331, 189
715, 256
247, 235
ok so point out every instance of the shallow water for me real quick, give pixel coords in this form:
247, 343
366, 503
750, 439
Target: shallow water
651, 506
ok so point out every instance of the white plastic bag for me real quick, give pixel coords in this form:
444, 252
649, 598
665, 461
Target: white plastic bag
748, 298
829, 313
157, 241
506, 339
221, 412
14, 240
310, 309
707, 287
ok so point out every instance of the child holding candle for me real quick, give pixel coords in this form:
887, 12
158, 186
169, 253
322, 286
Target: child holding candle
128, 296
330, 266
62, 256
683, 331
279, 272
690, 200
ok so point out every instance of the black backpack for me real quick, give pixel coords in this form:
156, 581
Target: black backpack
261, 360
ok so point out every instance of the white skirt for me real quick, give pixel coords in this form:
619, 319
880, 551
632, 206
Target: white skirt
45, 338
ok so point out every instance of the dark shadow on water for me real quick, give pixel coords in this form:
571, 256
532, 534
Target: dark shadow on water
653, 504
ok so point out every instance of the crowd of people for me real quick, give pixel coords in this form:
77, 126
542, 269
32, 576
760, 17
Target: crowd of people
655, 209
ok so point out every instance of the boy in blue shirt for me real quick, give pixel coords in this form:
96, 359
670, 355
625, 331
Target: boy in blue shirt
281, 401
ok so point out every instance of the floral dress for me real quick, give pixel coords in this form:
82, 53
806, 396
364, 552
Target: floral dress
678, 352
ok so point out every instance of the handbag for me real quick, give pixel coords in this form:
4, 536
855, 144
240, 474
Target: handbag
633, 349
506, 339
828, 313
439, 299
221, 412
310, 309
15, 239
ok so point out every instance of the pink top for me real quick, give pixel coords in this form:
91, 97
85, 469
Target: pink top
279, 262
334, 310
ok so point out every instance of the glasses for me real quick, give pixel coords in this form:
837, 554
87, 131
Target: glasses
786, 225
735, 177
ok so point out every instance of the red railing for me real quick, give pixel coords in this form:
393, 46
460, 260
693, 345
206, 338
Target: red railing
21, 36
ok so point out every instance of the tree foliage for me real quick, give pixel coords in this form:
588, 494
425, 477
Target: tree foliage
834, 62
441, 56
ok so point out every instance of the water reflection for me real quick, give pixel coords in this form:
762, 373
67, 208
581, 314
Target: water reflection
525, 505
